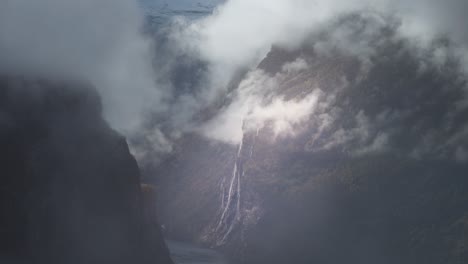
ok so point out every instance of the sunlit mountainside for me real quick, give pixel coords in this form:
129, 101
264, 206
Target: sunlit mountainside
368, 166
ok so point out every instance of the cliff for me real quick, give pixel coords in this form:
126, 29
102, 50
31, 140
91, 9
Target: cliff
70, 190
376, 172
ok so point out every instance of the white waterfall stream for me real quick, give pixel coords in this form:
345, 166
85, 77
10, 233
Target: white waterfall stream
231, 211
230, 200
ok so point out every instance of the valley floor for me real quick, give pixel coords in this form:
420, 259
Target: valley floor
183, 253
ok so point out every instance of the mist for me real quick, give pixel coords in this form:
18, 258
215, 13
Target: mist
104, 43
239, 34
100, 42
265, 124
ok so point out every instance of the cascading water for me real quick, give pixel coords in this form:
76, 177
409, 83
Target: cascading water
235, 205
231, 200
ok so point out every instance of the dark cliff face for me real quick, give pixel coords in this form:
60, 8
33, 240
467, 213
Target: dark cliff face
381, 181
70, 189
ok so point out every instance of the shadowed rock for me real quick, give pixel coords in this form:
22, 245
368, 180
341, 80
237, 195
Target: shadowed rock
70, 190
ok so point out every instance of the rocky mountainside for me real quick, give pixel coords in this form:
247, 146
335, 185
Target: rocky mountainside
70, 189
374, 173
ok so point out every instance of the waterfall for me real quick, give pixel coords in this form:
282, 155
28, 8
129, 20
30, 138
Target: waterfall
231, 199
230, 213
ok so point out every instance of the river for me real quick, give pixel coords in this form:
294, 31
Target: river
183, 253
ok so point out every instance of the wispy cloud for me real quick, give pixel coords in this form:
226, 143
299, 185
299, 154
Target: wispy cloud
157, 90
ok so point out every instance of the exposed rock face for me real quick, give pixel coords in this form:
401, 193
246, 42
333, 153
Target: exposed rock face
70, 189
372, 176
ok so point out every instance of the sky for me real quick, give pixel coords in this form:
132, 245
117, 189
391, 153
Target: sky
179, 5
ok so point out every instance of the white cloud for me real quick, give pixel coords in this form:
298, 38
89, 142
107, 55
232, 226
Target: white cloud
295, 66
251, 109
99, 41
240, 33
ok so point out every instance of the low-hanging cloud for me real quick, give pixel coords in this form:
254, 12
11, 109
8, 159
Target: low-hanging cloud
257, 105
239, 34
97, 41
361, 29
102, 42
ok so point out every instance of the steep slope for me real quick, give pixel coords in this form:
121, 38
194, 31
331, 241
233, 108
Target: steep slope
375, 172
70, 189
